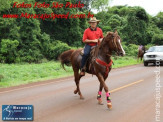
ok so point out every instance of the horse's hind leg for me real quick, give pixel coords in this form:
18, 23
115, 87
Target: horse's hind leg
138, 59
76, 78
141, 58
77, 81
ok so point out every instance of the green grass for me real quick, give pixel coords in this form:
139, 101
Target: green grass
16, 74
124, 61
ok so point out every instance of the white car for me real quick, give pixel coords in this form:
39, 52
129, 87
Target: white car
154, 54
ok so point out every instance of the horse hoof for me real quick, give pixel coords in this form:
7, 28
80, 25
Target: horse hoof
81, 97
109, 105
75, 91
100, 102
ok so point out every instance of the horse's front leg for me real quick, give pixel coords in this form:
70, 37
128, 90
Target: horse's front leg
99, 94
102, 81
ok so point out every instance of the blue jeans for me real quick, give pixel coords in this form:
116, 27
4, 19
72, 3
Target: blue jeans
86, 54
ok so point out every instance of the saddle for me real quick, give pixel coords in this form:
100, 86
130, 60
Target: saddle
93, 57
82, 51
90, 58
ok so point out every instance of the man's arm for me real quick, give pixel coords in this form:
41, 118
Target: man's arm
91, 41
86, 40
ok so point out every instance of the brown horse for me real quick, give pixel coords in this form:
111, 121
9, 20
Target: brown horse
99, 62
141, 52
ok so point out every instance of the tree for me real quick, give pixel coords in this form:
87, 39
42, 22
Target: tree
99, 4
157, 39
135, 29
159, 20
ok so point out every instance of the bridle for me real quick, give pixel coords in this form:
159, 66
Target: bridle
114, 43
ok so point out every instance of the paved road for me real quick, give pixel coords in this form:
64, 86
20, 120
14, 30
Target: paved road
133, 93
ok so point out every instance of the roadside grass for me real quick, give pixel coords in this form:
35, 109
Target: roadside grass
124, 61
17, 74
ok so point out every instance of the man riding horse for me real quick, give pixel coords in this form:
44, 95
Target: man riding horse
99, 62
141, 51
90, 38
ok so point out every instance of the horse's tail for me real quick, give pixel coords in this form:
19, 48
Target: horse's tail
65, 58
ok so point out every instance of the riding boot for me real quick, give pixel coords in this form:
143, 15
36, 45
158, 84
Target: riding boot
82, 73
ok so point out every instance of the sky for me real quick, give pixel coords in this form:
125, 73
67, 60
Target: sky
152, 7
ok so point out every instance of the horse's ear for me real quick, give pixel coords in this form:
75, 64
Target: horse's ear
116, 32
107, 33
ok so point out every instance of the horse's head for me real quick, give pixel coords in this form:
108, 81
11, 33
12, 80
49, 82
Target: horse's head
113, 41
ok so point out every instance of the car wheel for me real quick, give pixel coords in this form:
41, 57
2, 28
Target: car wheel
145, 63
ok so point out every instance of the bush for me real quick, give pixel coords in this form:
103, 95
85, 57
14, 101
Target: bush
30, 56
56, 48
148, 46
131, 50
8, 51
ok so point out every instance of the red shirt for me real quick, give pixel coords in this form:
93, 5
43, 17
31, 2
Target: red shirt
92, 35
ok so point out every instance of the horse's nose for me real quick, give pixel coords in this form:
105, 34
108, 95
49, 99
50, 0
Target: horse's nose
121, 54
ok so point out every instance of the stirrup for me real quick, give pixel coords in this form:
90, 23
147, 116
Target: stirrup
82, 73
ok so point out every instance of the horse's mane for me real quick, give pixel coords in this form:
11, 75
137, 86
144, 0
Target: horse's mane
103, 42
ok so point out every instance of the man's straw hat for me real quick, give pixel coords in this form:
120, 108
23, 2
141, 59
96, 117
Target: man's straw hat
93, 19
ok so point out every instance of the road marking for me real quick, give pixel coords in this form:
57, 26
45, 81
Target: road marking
114, 90
122, 87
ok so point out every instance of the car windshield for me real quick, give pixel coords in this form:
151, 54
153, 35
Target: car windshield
155, 49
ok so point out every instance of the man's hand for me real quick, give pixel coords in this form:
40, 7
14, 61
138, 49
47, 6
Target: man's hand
100, 39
